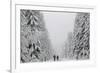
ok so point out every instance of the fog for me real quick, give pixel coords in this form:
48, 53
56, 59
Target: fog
58, 25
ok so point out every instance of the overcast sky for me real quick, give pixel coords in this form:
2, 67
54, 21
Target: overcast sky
59, 24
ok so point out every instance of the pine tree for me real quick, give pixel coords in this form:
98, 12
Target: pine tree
82, 36
35, 44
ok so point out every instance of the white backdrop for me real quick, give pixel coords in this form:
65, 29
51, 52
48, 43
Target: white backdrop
5, 37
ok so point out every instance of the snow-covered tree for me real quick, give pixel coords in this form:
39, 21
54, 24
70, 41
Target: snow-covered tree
82, 36
69, 46
35, 44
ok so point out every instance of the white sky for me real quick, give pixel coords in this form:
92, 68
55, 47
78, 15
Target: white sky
58, 24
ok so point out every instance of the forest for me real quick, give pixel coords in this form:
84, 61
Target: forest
36, 45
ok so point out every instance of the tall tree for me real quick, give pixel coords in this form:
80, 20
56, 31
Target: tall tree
82, 36
35, 44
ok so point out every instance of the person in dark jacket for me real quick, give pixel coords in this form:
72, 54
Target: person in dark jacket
54, 57
57, 58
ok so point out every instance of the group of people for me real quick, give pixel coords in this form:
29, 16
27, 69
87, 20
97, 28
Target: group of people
55, 57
